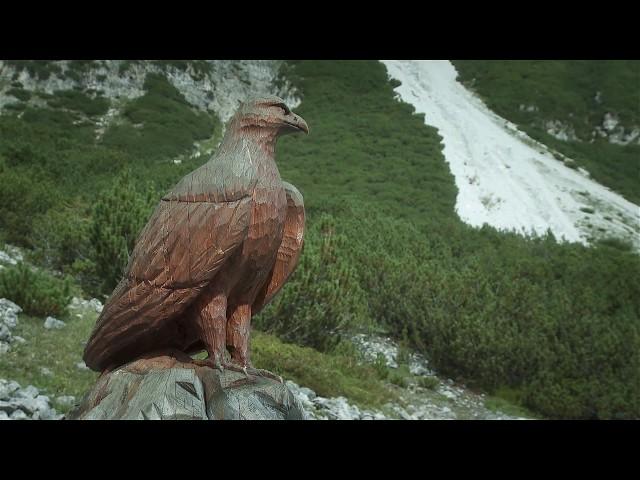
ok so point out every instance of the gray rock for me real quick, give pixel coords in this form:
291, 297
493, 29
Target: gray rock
9, 312
8, 321
19, 415
370, 346
79, 303
4, 257
53, 323
448, 393
28, 392
403, 413
47, 414
7, 388
66, 400
96, 304
22, 403
82, 366
308, 392
163, 388
11, 255
338, 408
8, 406
5, 333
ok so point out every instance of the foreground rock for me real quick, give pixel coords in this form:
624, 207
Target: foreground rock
443, 400
163, 388
17, 403
11, 255
80, 303
8, 320
337, 408
372, 346
52, 323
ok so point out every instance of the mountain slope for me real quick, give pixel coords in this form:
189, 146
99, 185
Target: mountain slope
504, 178
552, 326
587, 110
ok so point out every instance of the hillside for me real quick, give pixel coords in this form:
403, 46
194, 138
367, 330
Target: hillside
505, 178
587, 110
549, 325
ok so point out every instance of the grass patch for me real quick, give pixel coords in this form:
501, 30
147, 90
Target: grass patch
500, 405
400, 376
57, 350
60, 351
328, 375
428, 382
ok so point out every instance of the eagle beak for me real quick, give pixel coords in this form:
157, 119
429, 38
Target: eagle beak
297, 122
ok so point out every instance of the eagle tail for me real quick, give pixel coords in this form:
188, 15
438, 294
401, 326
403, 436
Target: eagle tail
134, 310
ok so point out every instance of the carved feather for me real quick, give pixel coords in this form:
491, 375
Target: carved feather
289, 251
188, 238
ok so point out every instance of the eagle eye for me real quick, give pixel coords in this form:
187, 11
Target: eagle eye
284, 108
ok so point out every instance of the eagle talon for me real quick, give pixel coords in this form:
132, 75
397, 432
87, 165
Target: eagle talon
267, 374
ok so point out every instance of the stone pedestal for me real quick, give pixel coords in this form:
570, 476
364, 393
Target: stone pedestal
163, 388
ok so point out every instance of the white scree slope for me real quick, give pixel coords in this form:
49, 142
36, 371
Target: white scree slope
505, 178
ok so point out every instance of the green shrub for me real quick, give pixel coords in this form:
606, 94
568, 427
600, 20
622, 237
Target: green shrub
399, 379
15, 107
428, 382
61, 237
380, 365
322, 300
20, 94
508, 401
624, 245
79, 101
403, 356
42, 69
37, 292
119, 214
329, 375
22, 196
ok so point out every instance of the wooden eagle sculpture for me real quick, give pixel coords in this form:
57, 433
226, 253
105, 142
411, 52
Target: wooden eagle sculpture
215, 251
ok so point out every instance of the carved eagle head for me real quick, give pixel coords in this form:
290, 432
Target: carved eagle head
270, 112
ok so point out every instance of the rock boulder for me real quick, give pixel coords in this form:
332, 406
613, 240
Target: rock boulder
163, 388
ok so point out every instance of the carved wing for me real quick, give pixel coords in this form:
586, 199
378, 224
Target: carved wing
193, 231
289, 251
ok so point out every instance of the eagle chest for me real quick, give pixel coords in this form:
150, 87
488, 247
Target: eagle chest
266, 228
